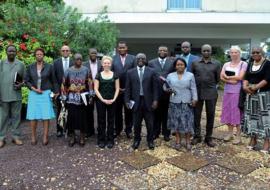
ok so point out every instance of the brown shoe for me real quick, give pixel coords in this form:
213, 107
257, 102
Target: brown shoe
17, 142
2, 143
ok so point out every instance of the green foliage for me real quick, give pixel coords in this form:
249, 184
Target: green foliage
25, 92
56, 25
50, 24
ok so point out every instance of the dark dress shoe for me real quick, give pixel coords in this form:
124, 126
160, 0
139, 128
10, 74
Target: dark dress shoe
156, 137
151, 145
167, 138
101, 145
110, 145
59, 133
82, 139
196, 140
210, 143
82, 142
136, 145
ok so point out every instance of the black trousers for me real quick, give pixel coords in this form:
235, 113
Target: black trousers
120, 103
210, 107
138, 116
90, 130
161, 117
105, 114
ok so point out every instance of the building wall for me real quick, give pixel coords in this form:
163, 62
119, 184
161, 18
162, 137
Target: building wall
157, 6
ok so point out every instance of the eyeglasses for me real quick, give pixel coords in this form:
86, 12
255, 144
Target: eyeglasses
78, 59
185, 47
65, 50
256, 52
206, 50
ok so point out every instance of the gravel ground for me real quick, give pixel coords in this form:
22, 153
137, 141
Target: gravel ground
58, 166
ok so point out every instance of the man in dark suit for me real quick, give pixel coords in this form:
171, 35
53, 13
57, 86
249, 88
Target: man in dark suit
141, 87
94, 67
186, 48
60, 65
162, 67
122, 62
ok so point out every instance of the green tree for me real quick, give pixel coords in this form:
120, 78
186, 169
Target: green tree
49, 24
54, 24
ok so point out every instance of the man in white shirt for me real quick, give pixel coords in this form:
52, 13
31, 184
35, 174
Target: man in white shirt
94, 67
60, 65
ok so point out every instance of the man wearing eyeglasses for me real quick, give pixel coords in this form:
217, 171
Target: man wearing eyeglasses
60, 65
206, 72
189, 58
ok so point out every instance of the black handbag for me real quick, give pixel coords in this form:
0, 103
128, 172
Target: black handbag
242, 99
242, 95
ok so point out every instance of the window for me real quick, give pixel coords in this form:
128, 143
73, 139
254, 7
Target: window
184, 4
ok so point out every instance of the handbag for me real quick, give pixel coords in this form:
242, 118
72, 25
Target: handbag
242, 95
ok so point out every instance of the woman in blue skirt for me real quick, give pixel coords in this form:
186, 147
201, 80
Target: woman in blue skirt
181, 85
41, 81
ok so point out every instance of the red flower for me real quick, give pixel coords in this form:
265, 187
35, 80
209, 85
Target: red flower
23, 46
33, 40
25, 36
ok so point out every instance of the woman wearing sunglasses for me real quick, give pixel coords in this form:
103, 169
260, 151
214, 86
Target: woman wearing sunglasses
77, 80
257, 106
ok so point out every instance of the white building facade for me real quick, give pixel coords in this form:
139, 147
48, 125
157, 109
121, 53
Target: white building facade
146, 24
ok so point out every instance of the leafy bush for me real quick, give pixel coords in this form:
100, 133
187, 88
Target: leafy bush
50, 24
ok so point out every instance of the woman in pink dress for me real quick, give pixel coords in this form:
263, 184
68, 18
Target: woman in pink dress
232, 74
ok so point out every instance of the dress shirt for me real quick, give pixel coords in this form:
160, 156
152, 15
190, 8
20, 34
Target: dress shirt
207, 76
94, 68
123, 59
160, 61
186, 57
65, 62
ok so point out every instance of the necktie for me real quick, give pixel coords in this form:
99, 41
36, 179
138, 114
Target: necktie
141, 78
162, 63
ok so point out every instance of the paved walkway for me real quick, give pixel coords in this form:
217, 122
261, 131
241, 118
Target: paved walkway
58, 166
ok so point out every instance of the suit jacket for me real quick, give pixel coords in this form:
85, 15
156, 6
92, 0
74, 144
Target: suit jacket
192, 58
59, 70
121, 70
99, 67
48, 79
149, 88
167, 69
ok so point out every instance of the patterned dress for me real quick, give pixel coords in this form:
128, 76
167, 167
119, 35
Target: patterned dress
257, 106
76, 81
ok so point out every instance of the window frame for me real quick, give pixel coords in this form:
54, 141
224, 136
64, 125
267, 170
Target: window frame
169, 8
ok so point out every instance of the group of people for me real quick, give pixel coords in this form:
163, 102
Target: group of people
167, 93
